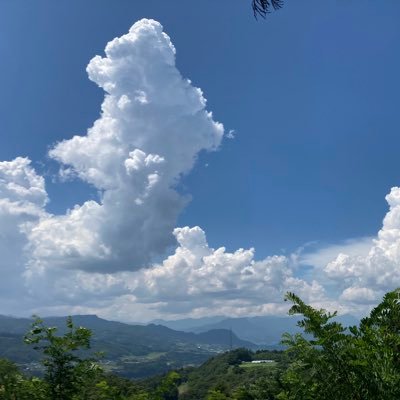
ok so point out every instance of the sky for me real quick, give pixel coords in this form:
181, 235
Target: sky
160, 160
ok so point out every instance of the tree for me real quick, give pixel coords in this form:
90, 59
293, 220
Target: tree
263, 7
168, 388
216, 395
13, 385
264, 388
65, 372
8, 379
344, 363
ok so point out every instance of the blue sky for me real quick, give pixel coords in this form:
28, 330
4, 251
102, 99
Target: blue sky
311, 94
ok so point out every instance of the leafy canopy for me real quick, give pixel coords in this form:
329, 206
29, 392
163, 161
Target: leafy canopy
335, 362
65, 369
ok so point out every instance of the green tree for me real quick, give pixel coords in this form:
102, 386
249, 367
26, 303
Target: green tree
9, 376
66, 372
243, 393
30, 389
13, 385
344, 363
216, 395
168, 388
264, 388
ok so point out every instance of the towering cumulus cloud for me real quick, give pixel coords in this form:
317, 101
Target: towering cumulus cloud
98, 256
103, 256
153, 124
364, 279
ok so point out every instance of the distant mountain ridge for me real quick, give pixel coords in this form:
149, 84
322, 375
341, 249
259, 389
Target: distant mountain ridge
131, 350
261, 330
188, 324
137, 351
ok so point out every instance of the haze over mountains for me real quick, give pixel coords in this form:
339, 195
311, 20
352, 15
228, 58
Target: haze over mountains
137, 351
263, 330
129, 350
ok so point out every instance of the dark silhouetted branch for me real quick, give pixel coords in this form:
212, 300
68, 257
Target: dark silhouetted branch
263, 7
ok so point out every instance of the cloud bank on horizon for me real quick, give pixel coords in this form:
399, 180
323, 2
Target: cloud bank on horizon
99, 256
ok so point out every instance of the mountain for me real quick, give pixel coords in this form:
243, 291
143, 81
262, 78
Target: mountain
130, 350
188, 324
137, 351
263, 330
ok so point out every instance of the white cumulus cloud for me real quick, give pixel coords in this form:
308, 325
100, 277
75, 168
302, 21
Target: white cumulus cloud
196, 280
197, 277
153, 124
104, 256
364, 279
22, 198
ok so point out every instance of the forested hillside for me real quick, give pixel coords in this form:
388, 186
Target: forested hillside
331, 362
133, 351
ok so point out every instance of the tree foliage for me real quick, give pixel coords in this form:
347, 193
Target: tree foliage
168, 388
65, 370
328, 361
263, 7
345, 363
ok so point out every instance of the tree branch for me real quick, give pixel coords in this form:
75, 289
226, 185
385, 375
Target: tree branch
263, 7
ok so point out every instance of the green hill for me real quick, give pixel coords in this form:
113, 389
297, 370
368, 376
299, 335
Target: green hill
132, 351
228, 374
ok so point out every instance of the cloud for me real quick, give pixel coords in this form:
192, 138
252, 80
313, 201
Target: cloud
319, 256
104, 256
22, 198
152, 127
359, 295
365, 278
196, 280
231, 134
